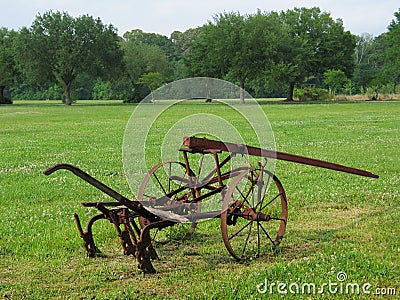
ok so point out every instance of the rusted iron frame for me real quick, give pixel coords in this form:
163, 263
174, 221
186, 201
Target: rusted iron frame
141, 247
203, 144
117, 216
208, 180
195, 186
145, 252
87, 236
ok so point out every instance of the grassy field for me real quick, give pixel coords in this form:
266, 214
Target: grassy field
338, 223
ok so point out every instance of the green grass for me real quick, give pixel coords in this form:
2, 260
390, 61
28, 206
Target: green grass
337, 222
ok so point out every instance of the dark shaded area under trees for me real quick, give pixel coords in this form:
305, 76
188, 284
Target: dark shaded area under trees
289, 54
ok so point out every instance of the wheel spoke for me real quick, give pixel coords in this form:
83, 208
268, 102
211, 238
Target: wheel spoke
153, 240
266, 233
240, 192
245, 197
159, 183
169, 177
264, 192
258, 239
260, 203
237, 232
247, 239
148, 196
272, 200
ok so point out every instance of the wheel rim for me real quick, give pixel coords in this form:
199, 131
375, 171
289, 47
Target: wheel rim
247, 238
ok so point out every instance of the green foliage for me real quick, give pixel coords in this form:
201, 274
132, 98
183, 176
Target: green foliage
183, 41
267, 53
30, 92
335, 79
102, 91
288, 47
363, 46
392, 52
152, 80
312, 94
143, 54
8, 68
349, 87
237, 48
370, 67
122, 89
218, 47
58, 48
54, 92
139, 38
323, 42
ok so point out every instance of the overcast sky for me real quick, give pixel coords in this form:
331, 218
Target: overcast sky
166, 16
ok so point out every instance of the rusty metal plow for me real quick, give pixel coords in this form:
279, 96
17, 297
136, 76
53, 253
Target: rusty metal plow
253, 213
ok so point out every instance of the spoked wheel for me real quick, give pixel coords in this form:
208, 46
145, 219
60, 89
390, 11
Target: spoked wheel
254, 214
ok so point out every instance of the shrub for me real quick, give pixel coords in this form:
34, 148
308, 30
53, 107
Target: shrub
311, 93
102, 90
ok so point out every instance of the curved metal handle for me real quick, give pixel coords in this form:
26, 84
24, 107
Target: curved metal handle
134, 205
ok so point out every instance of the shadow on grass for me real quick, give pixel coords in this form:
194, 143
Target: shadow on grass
79, 103
327, 235
307, 242
205, 251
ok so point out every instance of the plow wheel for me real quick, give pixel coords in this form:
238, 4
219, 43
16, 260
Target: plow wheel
254, 214
168, 185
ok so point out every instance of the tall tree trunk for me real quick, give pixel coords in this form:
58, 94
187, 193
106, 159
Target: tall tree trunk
4, 100
290, 92
242, 91
68, 100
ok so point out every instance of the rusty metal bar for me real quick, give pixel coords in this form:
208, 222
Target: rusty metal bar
134, 205
202, 144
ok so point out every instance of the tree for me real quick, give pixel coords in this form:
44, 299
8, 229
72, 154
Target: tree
152, 80
234, 47
370, 69
8, 70
217, 51
324, 45
139, 37
392, 52
182, 42
58, 47
334, 79
363, 45
140, 59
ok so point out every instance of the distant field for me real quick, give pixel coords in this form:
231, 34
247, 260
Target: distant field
338, 223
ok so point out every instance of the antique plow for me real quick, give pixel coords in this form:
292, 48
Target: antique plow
250, 201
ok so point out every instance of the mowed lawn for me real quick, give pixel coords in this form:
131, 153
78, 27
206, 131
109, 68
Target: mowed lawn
339, 224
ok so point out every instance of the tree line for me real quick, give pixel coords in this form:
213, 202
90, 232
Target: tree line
300, 52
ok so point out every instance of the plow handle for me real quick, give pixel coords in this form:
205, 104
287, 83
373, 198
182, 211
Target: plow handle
133, 205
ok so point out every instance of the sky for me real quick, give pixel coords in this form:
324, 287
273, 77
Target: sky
166, 16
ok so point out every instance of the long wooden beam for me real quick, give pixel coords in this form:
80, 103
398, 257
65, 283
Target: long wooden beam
201, 144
